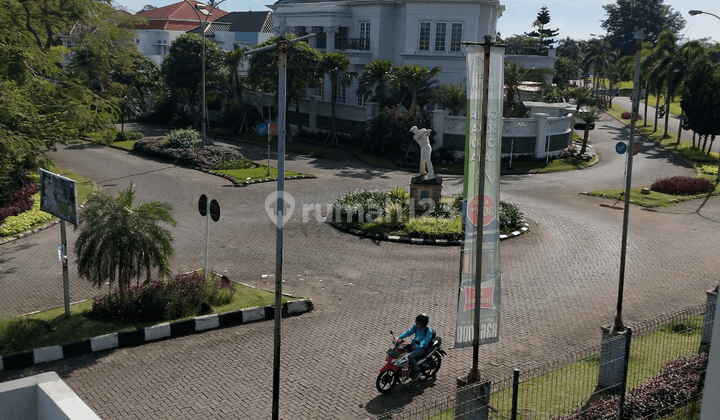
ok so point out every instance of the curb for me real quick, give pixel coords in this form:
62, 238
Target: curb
418, 241
152, 333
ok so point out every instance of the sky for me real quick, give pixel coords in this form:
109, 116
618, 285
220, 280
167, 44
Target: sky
577, 19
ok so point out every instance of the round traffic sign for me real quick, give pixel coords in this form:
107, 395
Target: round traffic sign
273, 129
261, 129
488, 210
214, 210
621, 147
202, 205
636, 149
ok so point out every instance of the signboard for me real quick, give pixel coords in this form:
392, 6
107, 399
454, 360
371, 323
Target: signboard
261, 129
58, 196
490, 263
620, 148
273, 129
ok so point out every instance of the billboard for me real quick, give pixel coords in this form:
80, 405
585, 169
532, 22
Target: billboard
58, 196
481, 213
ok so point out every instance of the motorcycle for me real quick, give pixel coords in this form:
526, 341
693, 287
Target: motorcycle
397, 367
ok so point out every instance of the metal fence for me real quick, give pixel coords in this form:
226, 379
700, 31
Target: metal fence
569, 386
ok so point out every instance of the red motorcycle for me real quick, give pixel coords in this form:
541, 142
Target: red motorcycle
397, 368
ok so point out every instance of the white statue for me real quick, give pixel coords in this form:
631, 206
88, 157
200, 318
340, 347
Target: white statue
422, 137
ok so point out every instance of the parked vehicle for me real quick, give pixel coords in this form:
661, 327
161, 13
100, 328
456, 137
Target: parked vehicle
397, 367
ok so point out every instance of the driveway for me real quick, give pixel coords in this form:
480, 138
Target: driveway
558, 287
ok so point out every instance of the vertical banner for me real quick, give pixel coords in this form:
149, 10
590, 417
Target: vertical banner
481, 213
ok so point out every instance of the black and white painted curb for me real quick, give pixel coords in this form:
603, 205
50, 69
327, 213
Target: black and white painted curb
418, 241
149, 334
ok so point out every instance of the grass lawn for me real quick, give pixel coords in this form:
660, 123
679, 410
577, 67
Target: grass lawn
555, 165
127, 144
627, 87
654, 199
260, 172
60, 330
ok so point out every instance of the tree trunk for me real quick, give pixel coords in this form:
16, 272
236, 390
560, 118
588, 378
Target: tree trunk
704, 142
586, 134
657, 105
667, 114
680, 130
712, 140
646, 106
694, 139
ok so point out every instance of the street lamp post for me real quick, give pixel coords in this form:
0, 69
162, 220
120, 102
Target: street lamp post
199, 9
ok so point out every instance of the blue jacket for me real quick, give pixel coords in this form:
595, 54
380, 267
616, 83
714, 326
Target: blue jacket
422, 336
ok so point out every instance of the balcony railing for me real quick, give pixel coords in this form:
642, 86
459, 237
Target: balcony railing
361, 44
524, 49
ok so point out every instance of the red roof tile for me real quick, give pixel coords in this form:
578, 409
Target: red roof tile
171, 17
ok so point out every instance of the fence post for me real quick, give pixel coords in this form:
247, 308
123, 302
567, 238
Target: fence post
626, 362
540, 134
471, 402
611, 359
439, 127
710, 306
516, 386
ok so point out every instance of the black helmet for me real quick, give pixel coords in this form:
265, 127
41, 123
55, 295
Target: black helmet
423, 319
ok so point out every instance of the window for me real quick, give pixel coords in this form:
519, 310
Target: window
440, 32
361, 99
340, 91
443, 41
341, 38
364, 30
424, 36
456, 37
320, 91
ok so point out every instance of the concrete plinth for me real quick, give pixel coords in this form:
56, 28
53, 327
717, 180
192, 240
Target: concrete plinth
425, 193
612, 359
710, 306
471, 402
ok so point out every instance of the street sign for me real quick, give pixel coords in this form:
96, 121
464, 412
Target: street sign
214, 210
273, 129
58, 196
636, 149
621, 147
202, 205
261, 129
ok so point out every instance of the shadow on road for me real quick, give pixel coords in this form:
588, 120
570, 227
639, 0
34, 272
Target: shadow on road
399, 397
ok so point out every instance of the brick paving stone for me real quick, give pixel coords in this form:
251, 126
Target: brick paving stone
559, 285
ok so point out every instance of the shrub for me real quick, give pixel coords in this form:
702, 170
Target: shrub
709, 169
433, 227
679, 382
682, 185
24, 221
163, 300
395, 213
626, 116
444, 210
19, 200
399, 194
389, 130
204, 157
129, 135
182, 139
19, 333
511, 218
358, 203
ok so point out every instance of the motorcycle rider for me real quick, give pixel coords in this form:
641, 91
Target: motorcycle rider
420, 342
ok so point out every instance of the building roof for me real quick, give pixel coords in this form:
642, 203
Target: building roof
176, 17
249, 21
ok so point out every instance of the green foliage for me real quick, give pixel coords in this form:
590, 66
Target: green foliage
373, 82
187, 138
511, 218
120, 239
129, 135
359, 203
415, 80
242, 163
399, 194
433, 227
544, 35
18, 332
566, 69
452, 97
709, 169
22, 222
395, 213
515, 75
389, 130
652, 15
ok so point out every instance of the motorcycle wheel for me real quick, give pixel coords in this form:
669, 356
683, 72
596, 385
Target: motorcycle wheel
385, 381
431, 366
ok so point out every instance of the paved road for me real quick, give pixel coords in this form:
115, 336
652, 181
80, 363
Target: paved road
559, 285
673, 121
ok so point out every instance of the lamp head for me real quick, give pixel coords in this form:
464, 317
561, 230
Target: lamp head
695, 12
202, 9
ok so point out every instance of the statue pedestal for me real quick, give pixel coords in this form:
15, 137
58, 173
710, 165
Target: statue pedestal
425, 193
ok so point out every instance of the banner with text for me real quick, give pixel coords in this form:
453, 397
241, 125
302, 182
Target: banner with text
473, 217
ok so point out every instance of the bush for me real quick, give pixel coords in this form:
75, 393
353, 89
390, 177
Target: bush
389, 130
399, 194
204, 157
709, 169
682, 185
679, 382
626, 116
19, 200
511, 218
433, 227
358, 203
182, 139
18, 333
242, 163
16, 224
129, 135
163, 300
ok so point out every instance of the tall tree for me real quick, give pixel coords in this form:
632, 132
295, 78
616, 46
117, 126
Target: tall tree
303, 71
182, 69
373, 81
589, 115
413, 79
452, 97
569, 48
543, 35
514, 76
651, 15
335, 65
119, 239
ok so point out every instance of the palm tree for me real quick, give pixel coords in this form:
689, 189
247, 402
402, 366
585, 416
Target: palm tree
373, 81
452, 97
590, 116
233, 60
335, 64
118, 239
584, 96
413, 78
595, 58
514, 76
